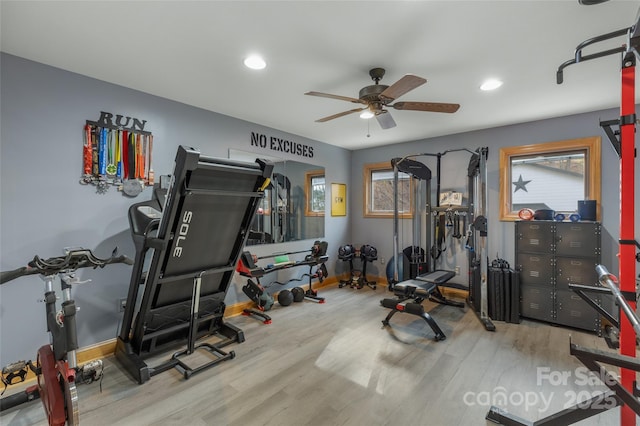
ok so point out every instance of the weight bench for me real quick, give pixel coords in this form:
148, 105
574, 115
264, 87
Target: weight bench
419, 289
190, 235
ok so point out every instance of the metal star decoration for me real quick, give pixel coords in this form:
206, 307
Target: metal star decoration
521, 184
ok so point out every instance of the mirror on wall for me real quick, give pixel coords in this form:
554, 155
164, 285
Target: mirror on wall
293, 206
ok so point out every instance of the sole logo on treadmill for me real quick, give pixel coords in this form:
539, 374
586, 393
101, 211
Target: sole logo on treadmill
182, 232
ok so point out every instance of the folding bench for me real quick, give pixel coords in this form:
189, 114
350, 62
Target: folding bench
193, 232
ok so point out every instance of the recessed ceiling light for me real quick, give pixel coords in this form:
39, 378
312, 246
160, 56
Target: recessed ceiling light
491, 84
255, 62
366, 114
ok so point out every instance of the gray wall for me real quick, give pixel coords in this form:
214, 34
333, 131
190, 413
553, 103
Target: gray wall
501, 234
44, 209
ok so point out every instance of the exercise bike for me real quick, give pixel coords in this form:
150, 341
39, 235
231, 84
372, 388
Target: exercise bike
56, 367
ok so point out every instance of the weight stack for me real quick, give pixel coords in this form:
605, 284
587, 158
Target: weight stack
496, 293
474, 288
414, 262
503, 291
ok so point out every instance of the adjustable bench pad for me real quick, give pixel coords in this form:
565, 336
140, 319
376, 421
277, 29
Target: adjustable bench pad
437, 277
414, 288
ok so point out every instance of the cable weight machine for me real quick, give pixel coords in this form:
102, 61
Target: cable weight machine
416, 261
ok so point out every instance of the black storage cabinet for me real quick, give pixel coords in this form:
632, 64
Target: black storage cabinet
550, 256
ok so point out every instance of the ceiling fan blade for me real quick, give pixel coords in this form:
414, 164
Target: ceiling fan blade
385, 120
341, 98
338, 115
426, 106
402, 86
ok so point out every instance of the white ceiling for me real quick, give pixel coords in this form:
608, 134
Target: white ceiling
192, 52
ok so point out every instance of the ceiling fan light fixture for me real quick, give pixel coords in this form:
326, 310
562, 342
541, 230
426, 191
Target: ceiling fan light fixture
255, 62
491, 84
366, 114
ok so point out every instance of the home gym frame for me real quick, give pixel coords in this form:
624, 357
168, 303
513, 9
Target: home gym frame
475, 210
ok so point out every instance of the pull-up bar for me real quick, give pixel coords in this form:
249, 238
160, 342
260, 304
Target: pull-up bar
580, 58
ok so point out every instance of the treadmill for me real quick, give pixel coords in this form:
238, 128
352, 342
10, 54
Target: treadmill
188, 240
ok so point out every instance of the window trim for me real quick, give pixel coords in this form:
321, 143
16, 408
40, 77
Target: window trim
308, 177
591, 146
367, 170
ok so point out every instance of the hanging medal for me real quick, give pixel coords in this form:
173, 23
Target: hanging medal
125, 155
86, 153
99, 148
103, 151
94, 151
131, 144
111, 161
118, 155
139, 165
145, 152
151, 174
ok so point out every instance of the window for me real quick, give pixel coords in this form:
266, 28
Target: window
314, 193
552, 175
378, 191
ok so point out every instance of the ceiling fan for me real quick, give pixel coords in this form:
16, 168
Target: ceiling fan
378, 97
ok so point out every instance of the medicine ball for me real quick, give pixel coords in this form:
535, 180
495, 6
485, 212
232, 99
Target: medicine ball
285, 298
298, 294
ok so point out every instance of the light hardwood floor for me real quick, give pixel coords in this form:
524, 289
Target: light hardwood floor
334, 364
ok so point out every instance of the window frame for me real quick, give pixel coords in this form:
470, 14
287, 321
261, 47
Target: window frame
367, 171
591, 146
308, 188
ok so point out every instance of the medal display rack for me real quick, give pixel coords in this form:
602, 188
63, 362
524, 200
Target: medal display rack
117, 156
